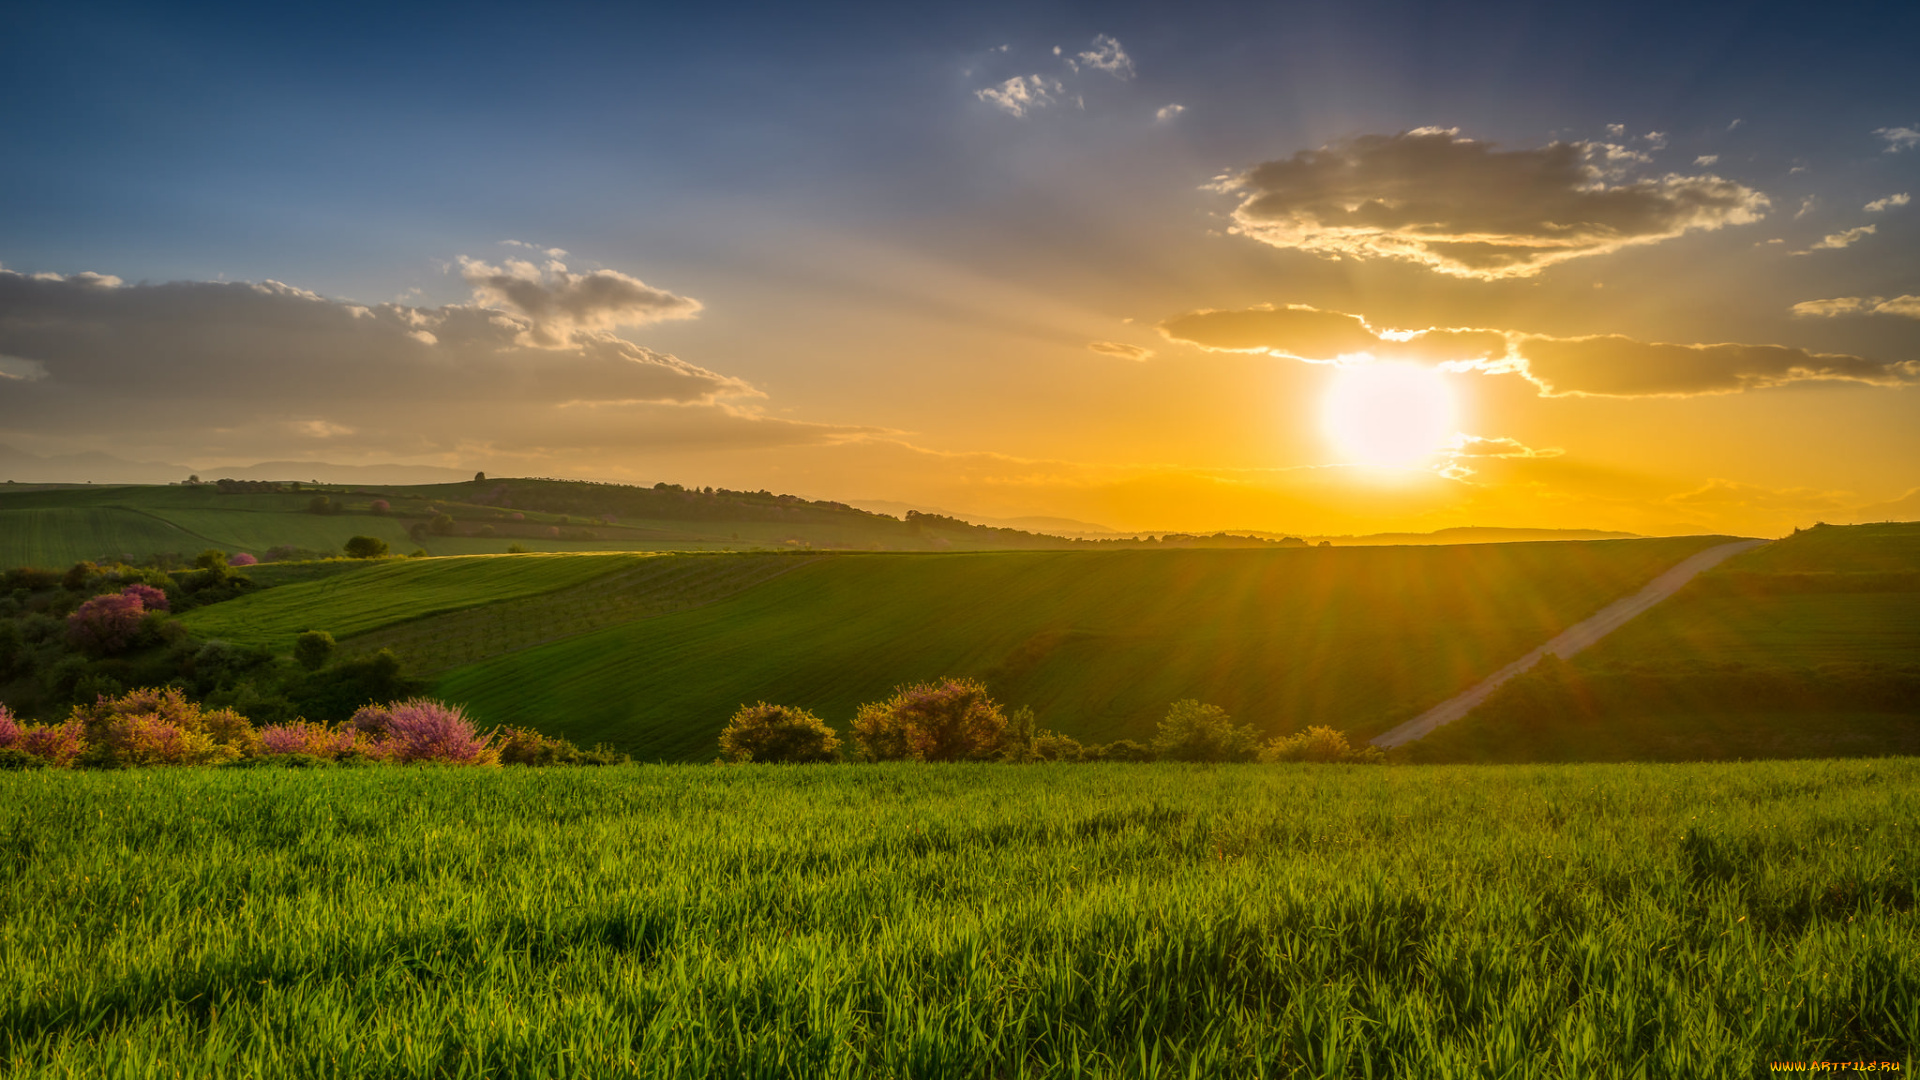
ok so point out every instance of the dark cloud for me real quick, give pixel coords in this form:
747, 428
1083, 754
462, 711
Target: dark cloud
1463, 208
1601, 365
194, 367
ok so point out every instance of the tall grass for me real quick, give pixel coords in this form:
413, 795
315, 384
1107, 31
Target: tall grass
959, 921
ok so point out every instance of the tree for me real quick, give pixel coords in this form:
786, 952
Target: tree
312, 649
441, 525
366, 547
380, 506
949, 720
319, 504
479, 477
1192, 731
777, 733
106, 624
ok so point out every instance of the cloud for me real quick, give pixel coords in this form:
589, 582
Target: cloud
1463, 448
1705, 160
1120, 349
1022, 94
1899, 138
1909, 306
1463, 208
1836, 241
202, 370
1107, 55
1889, 202
1599, 365
1168, 112
563, 308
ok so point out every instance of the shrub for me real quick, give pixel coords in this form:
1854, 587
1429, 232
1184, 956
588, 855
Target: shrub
777, 733
1193, 731
312, 649
105, 624
159, 726
441, 525
366, 547
242, 559
1122, 750
308, 739
1025, 740
379, 506
421, 729
151, 598
1320, 744
524, 746
950, 720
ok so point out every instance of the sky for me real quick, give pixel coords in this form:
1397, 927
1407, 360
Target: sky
1301, 268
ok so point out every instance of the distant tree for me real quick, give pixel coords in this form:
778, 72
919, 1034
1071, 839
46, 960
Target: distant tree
211, 559
313, 648
380, 506
78, 576
418, 531
366, 547
319, 504
1192, 731
242, 559
949, 720
194, 479
777, 733
479, 477
441, 525
516, 549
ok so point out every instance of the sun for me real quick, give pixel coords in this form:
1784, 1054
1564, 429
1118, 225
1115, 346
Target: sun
1388, 415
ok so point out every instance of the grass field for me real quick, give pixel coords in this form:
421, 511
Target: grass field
392, 591
1098, 643
930, 921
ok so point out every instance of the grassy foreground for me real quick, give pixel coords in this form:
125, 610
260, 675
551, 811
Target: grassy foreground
925, 921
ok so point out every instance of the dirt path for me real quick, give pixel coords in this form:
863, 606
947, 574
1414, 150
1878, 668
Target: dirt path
1572, 640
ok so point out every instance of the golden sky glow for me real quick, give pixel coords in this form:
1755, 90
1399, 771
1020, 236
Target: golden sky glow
1249, 276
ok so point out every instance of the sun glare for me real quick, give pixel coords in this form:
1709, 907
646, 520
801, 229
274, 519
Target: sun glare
1388, 414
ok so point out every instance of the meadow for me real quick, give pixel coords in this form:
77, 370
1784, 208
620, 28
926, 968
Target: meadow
959, 921
1097, 643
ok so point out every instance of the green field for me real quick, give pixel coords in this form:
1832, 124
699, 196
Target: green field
392, 591
1098, 643
960, 921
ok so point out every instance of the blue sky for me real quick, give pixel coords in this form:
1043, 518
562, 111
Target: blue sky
899, 276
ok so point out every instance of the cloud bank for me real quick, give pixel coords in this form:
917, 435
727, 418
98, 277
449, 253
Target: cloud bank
1460, 207
1597, 365
1908, 306
204, 368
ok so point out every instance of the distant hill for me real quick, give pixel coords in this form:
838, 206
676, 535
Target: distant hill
1471, 534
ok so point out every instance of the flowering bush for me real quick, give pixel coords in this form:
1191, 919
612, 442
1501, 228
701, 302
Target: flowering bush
1321, 744
106, 623
151, 598
777, 733
951, 720
242, 559
59, 745
159, 726
379, 506
421, 729
313, 740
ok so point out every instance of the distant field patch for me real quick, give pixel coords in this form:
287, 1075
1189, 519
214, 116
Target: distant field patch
1098, 643
60, 536
394, 591
655, 586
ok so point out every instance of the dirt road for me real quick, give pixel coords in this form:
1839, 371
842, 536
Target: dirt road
1572, 640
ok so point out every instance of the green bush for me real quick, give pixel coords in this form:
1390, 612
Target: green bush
777, 733
1193, 731
313, 649
366, 547
949, 720
1323, 745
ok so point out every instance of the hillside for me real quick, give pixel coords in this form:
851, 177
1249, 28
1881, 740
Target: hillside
1809, 646
1097, 643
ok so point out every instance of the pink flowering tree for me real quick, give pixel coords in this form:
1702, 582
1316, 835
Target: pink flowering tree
242, 559
106, 624
151, 598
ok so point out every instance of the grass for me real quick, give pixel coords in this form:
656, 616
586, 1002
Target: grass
646, 588
1098, 643
390, 591
1656, 734
59, 536
1063, 921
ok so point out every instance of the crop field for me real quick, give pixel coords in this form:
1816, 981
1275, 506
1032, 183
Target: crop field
63, 535
1097, 643
383, 593
960, 921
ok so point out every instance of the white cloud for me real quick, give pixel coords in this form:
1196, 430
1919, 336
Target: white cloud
1736, 123
1022, 94
320, 429
1107, 55
1899, 138
1848, 238
1705, 160
1908, 306
1168, 112
563, 306
20, 369
1618, 131
1462, 208
1120, 349
1889, 202
1655, 139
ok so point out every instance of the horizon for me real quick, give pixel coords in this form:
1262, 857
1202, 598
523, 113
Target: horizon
1317, 270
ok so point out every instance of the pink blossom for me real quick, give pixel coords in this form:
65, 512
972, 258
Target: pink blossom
150, 598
